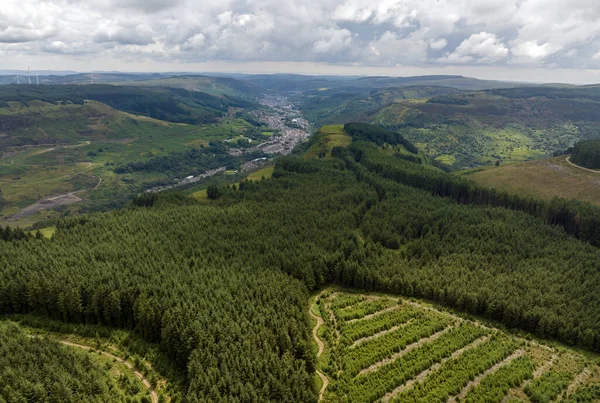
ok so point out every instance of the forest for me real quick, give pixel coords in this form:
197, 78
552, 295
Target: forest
191, 162
222, 285
587, 154
34, 369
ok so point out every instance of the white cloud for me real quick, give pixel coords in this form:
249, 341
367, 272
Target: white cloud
439, 44
334, 41
483, 47
532, 50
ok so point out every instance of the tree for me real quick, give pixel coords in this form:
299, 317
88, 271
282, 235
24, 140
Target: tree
213, 192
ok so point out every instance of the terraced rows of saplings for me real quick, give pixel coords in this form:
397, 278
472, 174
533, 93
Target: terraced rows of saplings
387, 349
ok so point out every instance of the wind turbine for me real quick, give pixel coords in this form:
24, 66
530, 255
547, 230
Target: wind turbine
37, 78
17, 78
92, 77
29, 74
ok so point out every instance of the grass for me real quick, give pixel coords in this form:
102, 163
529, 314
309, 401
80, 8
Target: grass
548, 178
266, 172
46, 232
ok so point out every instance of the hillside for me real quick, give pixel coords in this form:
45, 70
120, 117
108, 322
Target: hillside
221, 284
171, 104
547, 178
469, 129
57, 151
294, 83
216, 86
399, 350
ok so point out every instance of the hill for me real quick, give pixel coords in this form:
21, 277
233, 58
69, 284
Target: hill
221, 285
58, 147
469, 129
398, 350
216, 86
586, 154
170, 104
306, 83
547, 178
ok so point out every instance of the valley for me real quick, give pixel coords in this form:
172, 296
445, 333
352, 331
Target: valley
181, 235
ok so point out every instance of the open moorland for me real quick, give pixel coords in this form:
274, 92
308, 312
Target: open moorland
547, 178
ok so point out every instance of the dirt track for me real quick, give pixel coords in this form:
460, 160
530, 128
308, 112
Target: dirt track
568, 159
129, 365
321, 347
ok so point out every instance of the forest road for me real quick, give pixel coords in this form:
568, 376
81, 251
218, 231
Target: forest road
321, 348
568, 159
129, 365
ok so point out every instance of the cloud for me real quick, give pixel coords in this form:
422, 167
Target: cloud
333, 41
419, 33
483, 47
438, 44
532, 50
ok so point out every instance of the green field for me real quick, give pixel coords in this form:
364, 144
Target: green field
390, 349
548, 178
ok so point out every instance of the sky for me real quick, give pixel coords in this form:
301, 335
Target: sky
519, 40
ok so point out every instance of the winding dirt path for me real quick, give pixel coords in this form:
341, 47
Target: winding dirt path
315, 332
129, 365
568, 159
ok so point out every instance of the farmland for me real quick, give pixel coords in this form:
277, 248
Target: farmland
384, 348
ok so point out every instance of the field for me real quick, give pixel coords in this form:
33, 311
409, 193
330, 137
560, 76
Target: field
74, 148
548, 178
389, 349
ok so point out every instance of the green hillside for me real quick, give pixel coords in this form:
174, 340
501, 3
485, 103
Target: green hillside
221, 285
59, 147
171, 104
216, 86
469, 129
